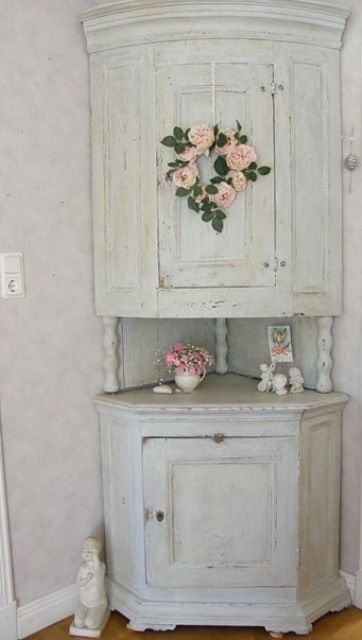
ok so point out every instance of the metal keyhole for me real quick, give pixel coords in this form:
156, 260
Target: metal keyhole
160, 516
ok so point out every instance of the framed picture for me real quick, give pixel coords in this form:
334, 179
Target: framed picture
280, 344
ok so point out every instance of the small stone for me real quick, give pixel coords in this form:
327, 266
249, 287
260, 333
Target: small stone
162, 388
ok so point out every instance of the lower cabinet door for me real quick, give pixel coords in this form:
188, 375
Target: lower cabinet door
220, 514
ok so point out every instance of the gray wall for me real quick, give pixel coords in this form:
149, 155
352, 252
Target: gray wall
50, 342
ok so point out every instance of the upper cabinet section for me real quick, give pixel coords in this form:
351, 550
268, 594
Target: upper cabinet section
274, 66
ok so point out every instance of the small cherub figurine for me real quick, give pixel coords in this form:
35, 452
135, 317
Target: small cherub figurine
280, 384
296, 380
92, 614
266, 382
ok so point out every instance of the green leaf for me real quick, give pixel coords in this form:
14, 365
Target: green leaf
173, 164
216, 180
264, 170
252, 165
220, 166
243, 139
180, 191
178, 133
197, 190
216, 130
180, 147
222, 139
169, 141
207, 216
252, 176
238, 125
187, 133
206, 206
219, 214
193, 204
211, 189
217, 224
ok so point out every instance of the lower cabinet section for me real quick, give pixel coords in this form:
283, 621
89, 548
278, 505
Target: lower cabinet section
222, 508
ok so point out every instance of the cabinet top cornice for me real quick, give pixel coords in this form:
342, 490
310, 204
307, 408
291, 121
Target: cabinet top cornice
291, 20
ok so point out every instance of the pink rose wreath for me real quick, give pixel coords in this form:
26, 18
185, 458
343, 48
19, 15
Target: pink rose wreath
234, 166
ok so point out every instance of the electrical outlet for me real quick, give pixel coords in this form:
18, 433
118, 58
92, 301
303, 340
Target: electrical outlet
12, 275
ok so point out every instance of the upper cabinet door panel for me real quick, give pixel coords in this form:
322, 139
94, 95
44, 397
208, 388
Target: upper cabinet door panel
192, 254
316, 184
125, 238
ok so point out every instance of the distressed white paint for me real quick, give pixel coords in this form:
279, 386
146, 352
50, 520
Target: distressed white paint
110, 360
139, 93
221, 346
197, 561
324, 362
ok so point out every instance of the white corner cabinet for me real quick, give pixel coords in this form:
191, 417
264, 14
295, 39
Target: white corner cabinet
273, 65
222, 507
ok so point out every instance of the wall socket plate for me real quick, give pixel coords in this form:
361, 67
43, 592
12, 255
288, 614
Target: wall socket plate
12, 275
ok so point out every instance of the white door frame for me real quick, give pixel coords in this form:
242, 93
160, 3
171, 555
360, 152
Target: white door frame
8, 620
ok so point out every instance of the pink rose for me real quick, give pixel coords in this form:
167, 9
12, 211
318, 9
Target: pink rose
231, 143
185, 176
189, 155
238, 180
169, 359
178, 346
225, 195
202, 137
240, 157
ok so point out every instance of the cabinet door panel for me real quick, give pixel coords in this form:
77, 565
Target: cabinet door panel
229, 516
191, 253
124, 231
316, 182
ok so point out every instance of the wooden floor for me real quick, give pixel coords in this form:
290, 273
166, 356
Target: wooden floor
346, 625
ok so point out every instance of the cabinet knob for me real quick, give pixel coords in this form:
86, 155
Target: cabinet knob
160, 516
218, 437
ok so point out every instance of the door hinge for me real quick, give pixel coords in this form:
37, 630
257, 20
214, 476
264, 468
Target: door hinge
276, 264
273, 87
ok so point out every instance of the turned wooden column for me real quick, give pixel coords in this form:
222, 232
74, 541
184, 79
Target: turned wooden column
324, 361
110, 359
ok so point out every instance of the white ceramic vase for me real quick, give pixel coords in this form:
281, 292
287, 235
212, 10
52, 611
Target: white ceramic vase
187, 382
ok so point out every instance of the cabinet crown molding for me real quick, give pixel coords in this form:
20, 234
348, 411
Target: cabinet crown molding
288, 20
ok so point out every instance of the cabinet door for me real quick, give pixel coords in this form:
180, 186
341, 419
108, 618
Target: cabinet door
124, 177
220, 514
316, 180
192, 254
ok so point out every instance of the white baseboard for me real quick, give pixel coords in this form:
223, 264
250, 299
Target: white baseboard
351, 584
8, 622
47, 610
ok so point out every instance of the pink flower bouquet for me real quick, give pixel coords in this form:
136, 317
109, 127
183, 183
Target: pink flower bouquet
183, 358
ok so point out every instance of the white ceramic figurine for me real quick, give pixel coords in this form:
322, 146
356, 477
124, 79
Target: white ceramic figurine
92, 614
280, 384
296, 380
266, 382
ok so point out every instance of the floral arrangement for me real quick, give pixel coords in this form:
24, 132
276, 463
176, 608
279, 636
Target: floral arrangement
183, 357
234, 166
